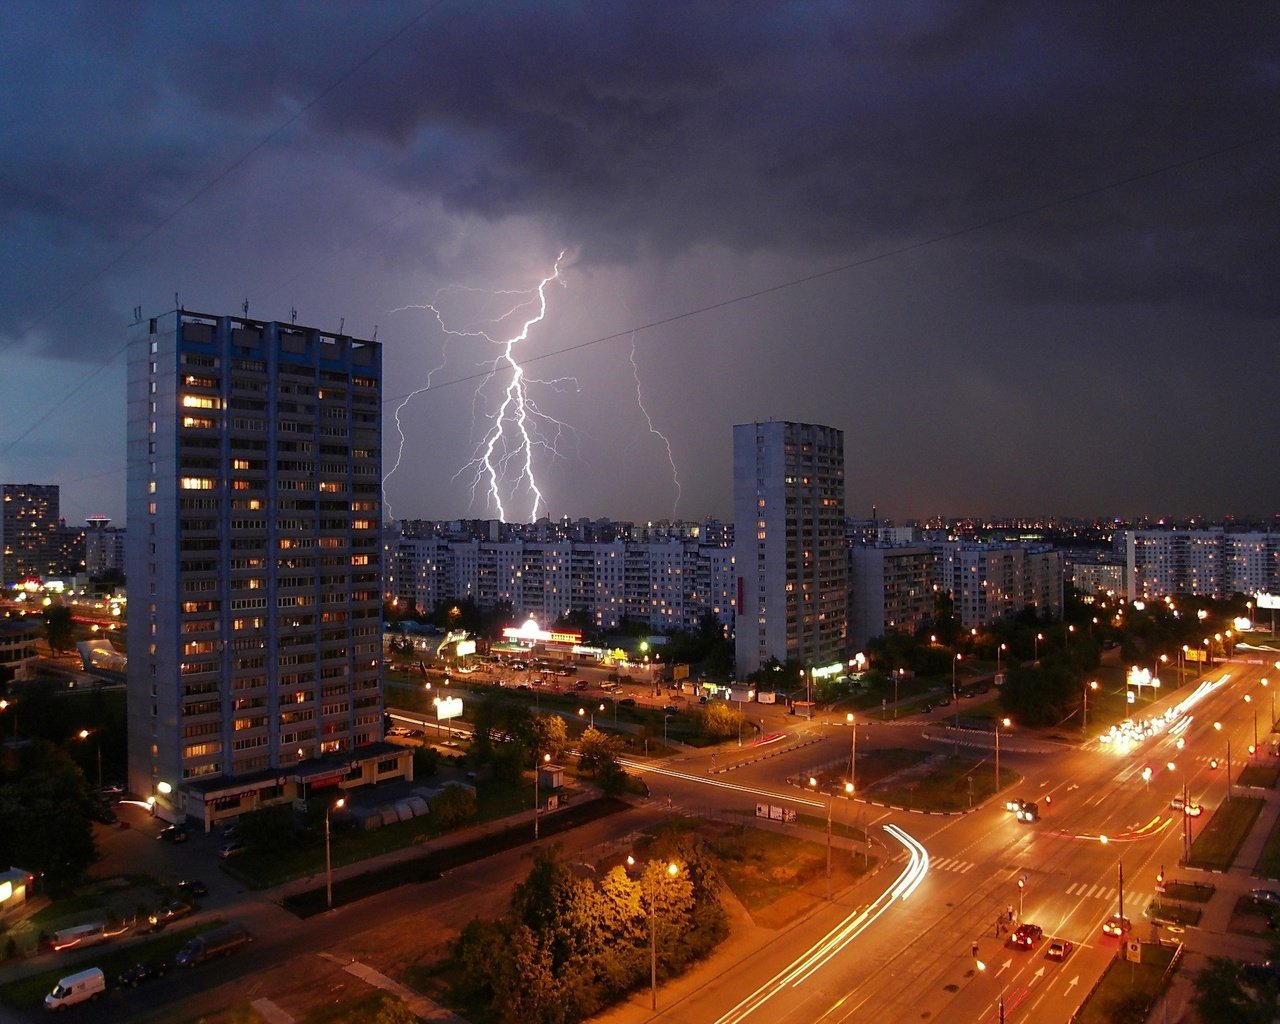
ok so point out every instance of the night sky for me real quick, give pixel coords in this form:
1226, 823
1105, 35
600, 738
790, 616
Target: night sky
1024, 254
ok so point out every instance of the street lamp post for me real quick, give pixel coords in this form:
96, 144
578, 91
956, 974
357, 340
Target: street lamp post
665, 720
955, 696
673, 869
1272, 694
337, 805
813, 782
1005, 722
1084, 713
84, 735
1036, 648
537, 798
853, 749
1186, 818
897, 678
1248, 699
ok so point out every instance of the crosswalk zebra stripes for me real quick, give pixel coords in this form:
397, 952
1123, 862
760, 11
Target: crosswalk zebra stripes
1109, 893
958, 867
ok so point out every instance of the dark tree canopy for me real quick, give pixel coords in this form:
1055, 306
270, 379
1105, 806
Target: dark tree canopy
45, 807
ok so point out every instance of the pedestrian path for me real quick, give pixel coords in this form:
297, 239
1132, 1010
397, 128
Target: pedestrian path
1138, 901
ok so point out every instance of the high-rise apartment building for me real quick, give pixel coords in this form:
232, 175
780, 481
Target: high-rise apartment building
28, 532
253, 558
789, 547
1205, 563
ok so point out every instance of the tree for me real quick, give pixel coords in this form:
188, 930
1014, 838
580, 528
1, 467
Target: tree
268, 828
596, 748
452, 806
46, 809
720, 720
59, 629
550, 736
1227, 993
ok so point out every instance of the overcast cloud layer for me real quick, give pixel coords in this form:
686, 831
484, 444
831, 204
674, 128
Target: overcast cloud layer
1058, 225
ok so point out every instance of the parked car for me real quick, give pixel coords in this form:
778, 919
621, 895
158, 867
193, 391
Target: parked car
1059, 949
582, 684
1266, 897
193, 888
1027, 935
173, 834
138, 973
231, 849
671, 709
627, 702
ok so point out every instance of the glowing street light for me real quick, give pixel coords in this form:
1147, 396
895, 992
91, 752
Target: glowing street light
337, 805
1084, 713
813, 783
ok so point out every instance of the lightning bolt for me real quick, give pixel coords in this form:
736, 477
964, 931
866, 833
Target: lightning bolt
675, 473
504, 459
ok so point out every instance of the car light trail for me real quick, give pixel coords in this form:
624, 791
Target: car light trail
702, 780
842, 934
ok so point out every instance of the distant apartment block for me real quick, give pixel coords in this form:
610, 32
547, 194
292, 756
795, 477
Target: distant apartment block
253, 558
30, 545
1204, 563
1097, 576
890, 588
104, 550
667, 584
18, 639
992, 581
789, 547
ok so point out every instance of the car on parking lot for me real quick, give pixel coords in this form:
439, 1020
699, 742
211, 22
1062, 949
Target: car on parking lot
1059, 949
167, 913
138, 973
193, 888
671, 709
1117, 926
582, 684
232, 849
173, 834
1026, 935
627, 702
398, 730
1265, 897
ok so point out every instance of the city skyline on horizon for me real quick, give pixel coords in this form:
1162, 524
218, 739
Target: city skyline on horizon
1021, 258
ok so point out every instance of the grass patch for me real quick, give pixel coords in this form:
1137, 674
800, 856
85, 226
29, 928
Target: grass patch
366, 1009
1173, 913
433, 863
29, 992
1128, 989
1216, 846
762, 867
1188, 892
1259, 776
266, 869
65, 909
939, 782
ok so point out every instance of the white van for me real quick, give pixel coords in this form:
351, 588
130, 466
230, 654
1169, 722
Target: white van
85, 935
76, 988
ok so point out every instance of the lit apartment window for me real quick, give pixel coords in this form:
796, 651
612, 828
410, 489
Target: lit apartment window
199, 402
198, 483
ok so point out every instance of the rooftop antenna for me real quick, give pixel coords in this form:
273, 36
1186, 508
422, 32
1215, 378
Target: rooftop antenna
293, 314
175, 301
342, 322
137, 312
244, 306
375, 332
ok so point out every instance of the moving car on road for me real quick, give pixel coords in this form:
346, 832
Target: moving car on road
1059, 949
1117, 926
1026, 936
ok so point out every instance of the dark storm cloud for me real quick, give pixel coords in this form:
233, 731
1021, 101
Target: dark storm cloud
352, 158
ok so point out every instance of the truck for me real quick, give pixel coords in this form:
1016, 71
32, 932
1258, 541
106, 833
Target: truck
76, 988
211, 944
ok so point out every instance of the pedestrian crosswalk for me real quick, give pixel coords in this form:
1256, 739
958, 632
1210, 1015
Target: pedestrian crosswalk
959, 867
1109, 893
